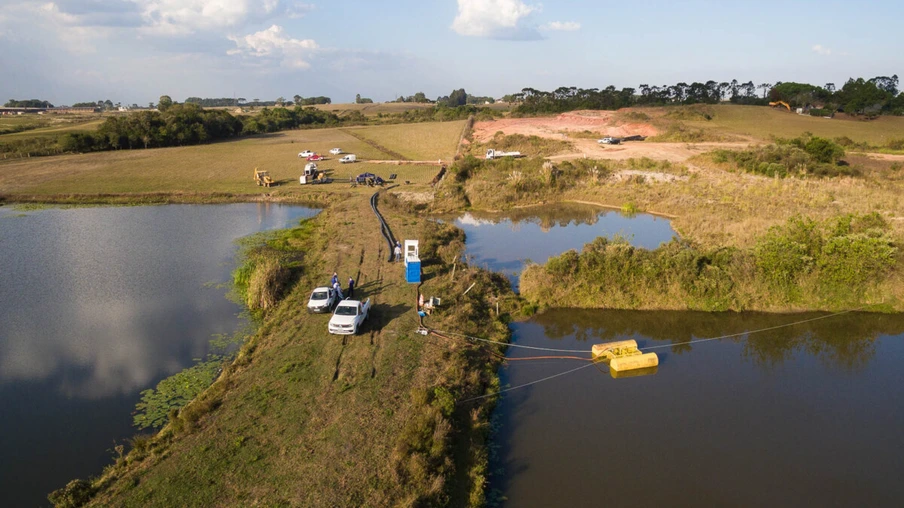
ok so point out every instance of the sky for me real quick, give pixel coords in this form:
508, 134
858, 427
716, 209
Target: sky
134, 51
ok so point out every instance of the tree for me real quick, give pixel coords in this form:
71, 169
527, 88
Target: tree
357, 98
164, 103
420, 97
280, 101
765, 87
297, 98
885, 83
830, 87
458, 98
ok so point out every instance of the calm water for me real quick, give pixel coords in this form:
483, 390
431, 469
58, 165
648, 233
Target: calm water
503, 242
97, 304
810, 415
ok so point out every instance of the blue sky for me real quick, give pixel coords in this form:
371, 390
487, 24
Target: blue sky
133, 51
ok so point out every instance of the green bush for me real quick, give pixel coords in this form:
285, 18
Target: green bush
787, 252
807, 155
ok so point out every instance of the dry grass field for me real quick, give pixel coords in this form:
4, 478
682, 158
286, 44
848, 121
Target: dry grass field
222, 167
421, 141
762, 123
46, 125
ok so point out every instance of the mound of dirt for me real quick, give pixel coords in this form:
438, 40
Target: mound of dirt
606, 123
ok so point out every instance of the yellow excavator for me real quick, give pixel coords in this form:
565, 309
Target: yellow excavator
262, 178
782, 104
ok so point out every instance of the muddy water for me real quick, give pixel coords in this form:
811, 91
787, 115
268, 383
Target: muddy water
504, 242
95, 306
809, 415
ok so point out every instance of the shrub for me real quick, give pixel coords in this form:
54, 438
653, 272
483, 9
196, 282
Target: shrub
75, 494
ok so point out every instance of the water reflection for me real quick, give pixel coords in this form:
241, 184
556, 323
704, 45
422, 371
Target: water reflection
97, 304
812, 411
845, 342
503, 242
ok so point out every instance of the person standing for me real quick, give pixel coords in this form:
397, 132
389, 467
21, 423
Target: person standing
334, 280
338, 289
398, 251
351, 287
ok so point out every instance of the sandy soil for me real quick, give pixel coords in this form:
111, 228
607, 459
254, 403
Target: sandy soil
672, 152
603, 122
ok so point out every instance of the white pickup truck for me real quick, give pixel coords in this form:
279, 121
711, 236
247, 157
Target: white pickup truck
322, 300
348, 317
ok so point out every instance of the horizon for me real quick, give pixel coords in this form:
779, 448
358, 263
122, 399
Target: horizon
133, 52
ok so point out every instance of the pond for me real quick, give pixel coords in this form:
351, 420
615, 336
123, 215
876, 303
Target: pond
99, 304
805, 415
503, 242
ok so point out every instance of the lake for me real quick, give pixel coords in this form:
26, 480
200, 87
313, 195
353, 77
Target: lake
96, 305
503, 242
802, 415
808, 415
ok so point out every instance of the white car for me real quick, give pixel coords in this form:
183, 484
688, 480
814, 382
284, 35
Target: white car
348, 317
305, 154
322, 300
336, 151
348, 158
609, 141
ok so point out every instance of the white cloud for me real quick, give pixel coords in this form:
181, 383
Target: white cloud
496, 19
561, 26
819, 49
274, 43
176, 17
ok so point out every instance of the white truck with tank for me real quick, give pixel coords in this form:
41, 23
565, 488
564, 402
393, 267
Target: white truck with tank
349, 316
498, 154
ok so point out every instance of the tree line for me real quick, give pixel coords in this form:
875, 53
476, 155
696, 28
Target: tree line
458, 97
879, 95
28, 103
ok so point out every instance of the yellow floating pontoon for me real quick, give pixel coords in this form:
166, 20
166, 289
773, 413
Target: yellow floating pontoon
623, 356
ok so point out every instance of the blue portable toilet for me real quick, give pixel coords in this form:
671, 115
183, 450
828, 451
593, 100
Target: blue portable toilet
412, 262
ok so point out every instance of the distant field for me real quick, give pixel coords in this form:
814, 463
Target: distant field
45, 125
420, 141
762, 123
219, 167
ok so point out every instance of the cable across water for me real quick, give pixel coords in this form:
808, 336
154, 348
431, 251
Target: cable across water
647, 348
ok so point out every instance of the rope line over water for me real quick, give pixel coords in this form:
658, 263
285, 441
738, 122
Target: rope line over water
659, 346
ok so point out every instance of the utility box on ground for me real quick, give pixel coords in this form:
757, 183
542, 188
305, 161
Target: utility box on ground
412, 262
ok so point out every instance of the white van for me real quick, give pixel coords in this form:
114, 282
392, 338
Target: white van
348, 158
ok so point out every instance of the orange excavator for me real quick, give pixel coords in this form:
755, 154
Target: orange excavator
781, 103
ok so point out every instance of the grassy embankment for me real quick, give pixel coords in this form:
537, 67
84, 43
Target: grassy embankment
848, 263
306, 418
